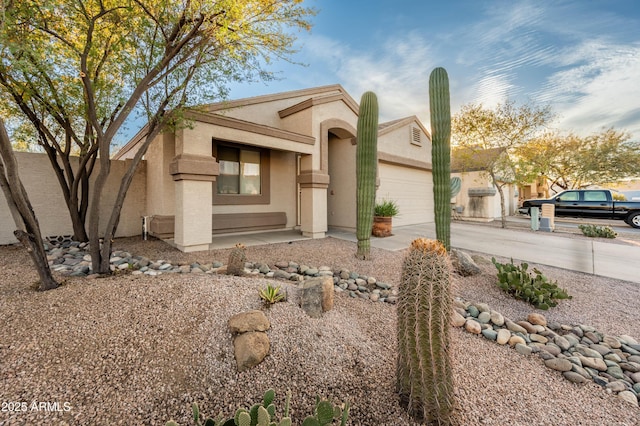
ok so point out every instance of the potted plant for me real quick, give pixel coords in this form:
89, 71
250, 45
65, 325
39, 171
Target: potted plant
382, 214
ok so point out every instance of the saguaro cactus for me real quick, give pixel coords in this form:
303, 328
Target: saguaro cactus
439, 104
424, 307
366, 165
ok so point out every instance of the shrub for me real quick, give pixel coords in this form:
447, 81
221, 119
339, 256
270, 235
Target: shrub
386, 208
597, 231
534, 289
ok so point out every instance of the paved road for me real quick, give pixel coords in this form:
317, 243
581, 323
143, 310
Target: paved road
594, 256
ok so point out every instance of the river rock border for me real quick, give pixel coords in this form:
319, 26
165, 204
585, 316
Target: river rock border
71, 258
580, 352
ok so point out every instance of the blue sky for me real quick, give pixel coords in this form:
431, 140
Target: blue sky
581, 57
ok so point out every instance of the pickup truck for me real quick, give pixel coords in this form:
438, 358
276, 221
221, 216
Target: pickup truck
589, 203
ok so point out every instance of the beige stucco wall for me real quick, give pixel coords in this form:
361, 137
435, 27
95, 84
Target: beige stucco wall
160, 185
483, 207
48, 203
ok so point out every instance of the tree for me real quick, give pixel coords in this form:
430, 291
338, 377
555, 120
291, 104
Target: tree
28, 229
485, 139
569, 161
77, 69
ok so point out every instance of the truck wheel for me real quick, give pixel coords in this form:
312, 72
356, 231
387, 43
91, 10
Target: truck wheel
633, 220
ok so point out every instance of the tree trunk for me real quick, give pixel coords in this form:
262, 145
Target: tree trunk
22, 211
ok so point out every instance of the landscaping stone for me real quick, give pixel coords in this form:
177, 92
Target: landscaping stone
317, 296
248, 321
250, 349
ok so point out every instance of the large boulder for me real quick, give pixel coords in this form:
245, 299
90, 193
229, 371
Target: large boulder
463, 264
317, 296
250, 349
249, 321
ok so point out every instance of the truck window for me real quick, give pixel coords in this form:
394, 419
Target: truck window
570, 196
595, 196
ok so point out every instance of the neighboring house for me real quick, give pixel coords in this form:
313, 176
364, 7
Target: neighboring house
478, 198
282, 161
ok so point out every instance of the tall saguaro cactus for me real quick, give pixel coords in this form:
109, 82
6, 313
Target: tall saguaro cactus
439, 104
366, 165
424, 307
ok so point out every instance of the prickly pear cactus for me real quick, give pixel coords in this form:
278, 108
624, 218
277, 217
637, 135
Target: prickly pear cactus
424, 307
440, 108
237, 259
366, 166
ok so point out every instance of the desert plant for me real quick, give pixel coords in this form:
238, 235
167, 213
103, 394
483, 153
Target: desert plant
424, 307
598, 231
325, 413
535, 289
439, 104
366, 165
237, 260
271, 294
456, 185
264, 414
386, 208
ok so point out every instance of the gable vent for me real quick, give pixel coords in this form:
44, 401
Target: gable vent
416, 136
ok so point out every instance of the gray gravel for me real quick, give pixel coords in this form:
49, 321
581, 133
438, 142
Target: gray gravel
138, 350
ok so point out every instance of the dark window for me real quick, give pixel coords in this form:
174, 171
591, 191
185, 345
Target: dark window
239, 171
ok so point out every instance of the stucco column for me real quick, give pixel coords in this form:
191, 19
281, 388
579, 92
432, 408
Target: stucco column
313, 203
194, 176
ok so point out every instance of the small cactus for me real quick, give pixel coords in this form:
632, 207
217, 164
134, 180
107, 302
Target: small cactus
237, 260
456, 185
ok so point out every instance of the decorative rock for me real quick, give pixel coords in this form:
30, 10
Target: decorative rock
249, 321
503, 336
628, 340
512, 326
457, 320
588, 352
473, 311
592, 336
527, 326
490, 334
317, 296
629, 397
523, 349
559, 364
472, 326
463, 264
616, 386
484, 317
250, 349
515, 339
374, 297
537, 319
497, 318
574, 377
482, 307
635, 377
612, 342
538, 338
595, 363
562, 342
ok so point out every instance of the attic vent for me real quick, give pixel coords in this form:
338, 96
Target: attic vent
416, 136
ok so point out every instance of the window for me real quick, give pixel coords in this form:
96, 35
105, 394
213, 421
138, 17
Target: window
239, 171
595, 196
570, 196
244, 174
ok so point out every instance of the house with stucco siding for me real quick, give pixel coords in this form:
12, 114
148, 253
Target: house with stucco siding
282, 161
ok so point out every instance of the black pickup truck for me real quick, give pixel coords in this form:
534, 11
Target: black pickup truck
590, 203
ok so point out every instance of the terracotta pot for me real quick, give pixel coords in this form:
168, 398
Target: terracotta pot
381, 226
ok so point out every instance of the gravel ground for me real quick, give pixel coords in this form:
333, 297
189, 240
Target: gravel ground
138, 350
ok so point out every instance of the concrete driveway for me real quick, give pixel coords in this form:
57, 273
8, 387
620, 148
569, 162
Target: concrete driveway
593, 256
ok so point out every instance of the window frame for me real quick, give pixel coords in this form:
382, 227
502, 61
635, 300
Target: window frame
244, 199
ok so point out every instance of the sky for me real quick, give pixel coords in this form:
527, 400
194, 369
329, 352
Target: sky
580, 57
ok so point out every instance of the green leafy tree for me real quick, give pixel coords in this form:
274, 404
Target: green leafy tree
76, 71
485, 139
570, 161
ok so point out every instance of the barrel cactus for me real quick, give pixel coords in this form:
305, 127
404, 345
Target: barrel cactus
366, 165
440, 108
424, 308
